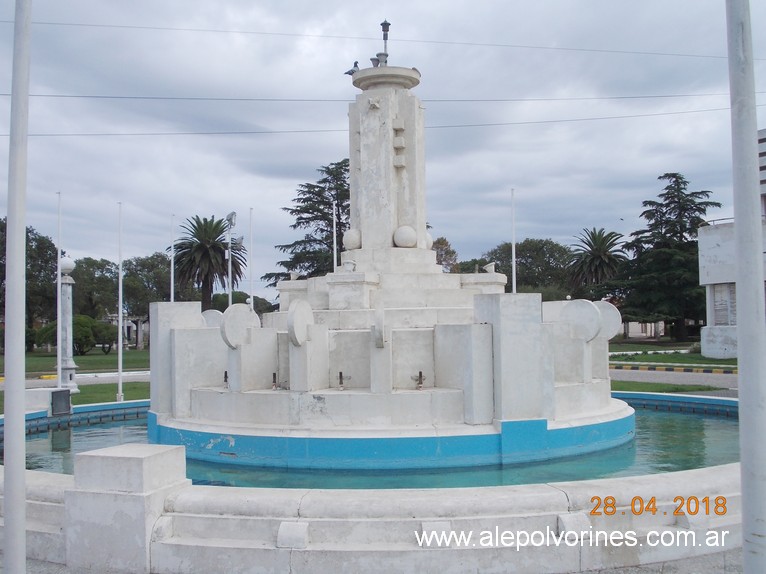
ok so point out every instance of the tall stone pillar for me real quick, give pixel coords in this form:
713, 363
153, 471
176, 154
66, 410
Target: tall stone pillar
68, 366
386, 171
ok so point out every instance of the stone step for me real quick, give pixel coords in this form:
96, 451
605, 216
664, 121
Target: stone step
337, 534
416, 298
403, 316
419, 281
46, 512
341, 410
45, 541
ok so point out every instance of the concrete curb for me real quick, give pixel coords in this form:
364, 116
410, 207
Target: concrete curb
706, 370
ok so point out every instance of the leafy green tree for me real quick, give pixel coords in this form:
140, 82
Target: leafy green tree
95, 288
312, 209
201, 257
145, 280
553, 292
105, 335
446, 256
661, 282
83, 339
596, 259
40, 276
260, 305
539, 263
470, 266
46, 335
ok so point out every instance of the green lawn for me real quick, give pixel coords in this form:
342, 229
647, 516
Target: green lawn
678, 358
102, 393
631, 386
40, 363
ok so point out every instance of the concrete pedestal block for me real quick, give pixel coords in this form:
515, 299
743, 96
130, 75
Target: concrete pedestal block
521, 346
350, 355
394, 260
163, 318
290, 291
260, 360
351, 290
569, 356
463, 360
191, 369
413, 353
119, 493
309, 363
485, 283
38, 399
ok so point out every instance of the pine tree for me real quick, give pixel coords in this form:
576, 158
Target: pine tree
662, 281
312, 209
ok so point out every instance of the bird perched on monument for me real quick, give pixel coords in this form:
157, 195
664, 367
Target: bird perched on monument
353, 70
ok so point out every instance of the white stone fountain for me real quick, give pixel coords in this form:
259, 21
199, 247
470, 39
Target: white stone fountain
429, 369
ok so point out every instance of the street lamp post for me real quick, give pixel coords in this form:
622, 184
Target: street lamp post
231, 221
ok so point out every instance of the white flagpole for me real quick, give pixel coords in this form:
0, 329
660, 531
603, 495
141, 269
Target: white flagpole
15, 512
172, 258
250, 262
513, 240
120, 395
58, 298
751, 327
334, 238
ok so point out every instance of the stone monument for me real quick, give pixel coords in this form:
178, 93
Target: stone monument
388, 362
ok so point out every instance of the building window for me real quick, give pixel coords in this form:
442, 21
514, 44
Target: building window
724, 304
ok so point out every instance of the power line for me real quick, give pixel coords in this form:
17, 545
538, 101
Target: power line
568, 120
368, 38
346, 100
315, 131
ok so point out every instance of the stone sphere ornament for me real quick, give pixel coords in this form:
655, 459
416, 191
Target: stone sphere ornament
405, 236
352, 239
67, 265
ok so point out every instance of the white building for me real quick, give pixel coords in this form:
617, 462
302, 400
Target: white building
717, 264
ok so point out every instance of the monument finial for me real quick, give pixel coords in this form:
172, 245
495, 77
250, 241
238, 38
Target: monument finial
385, 25
383, 56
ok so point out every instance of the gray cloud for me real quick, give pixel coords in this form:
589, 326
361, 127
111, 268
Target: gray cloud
568, 175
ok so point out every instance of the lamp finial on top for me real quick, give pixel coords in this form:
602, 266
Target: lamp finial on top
383, 57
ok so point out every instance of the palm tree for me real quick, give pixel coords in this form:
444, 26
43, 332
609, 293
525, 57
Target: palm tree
201, 256
596, 258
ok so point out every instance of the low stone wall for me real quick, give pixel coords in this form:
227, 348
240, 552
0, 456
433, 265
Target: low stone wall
131, 509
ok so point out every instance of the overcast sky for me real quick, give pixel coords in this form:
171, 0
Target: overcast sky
193, 107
